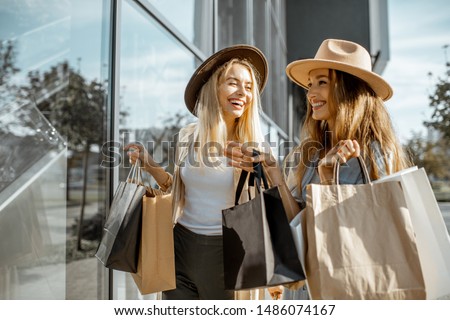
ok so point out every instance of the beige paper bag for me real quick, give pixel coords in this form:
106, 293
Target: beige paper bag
361, 243
156, 264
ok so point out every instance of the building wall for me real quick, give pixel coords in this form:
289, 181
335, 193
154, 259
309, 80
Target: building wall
310, 22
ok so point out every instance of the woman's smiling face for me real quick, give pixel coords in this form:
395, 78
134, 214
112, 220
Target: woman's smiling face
318, 94
235, 91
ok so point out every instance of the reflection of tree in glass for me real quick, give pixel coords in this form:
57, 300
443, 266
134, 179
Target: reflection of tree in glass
26, 135
7, 69
172, 127
160, 141
76, 108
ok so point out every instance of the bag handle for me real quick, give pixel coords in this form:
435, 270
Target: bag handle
259, 173
362, 165
256, 176
135, 175
240, 186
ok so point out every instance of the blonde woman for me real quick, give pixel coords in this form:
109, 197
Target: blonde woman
346, 117
224, 93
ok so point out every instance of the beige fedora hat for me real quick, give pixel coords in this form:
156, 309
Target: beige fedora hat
207, 68
341, 55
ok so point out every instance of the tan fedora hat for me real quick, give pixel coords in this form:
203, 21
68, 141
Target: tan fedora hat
344, 56
207, 68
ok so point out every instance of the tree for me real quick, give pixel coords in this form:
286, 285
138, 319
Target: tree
440, 102
429, 155
433, 154
76, 108
8, 69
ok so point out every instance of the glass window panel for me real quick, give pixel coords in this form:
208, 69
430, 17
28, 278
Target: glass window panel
274, 141
154, 71
259, 35
283, 149
88, 70
232, 23
283, 104
32, 205
265, 128
276, 73
282, 17
193, 18
259, 24
52, 53
34, 37
276, 6
39, 34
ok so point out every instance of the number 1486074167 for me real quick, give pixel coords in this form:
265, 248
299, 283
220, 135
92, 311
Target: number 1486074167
306, 309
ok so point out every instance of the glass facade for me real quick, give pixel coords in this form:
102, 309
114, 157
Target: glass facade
53, 115
32, 205
192, 18
79, 79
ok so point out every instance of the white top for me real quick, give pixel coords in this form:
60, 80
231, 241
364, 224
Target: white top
208, 190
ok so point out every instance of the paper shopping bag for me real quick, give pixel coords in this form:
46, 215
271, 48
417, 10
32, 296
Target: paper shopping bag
433, 241
119, 246
156, 263
258, 246
361, 242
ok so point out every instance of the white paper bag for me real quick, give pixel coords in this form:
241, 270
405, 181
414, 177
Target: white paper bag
433, 240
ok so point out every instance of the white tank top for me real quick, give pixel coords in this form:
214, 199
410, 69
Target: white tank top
208, 190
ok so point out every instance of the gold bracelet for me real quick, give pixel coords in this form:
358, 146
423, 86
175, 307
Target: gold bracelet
166, 185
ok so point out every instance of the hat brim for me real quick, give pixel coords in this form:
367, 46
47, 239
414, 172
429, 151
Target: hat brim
298, 72
207, 68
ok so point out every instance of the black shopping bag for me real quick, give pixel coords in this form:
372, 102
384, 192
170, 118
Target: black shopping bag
258, 246
119, 246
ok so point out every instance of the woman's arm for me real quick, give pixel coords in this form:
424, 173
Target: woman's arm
137, 151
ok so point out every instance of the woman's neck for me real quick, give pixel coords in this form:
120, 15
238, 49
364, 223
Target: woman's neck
231, 128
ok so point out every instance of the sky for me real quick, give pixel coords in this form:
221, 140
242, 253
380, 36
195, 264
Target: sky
418, 30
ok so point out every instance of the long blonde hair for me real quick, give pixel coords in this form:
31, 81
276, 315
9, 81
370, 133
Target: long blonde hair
360, 115
211, 129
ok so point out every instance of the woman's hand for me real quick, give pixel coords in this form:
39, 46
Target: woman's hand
343, 151
137, 151
241, 156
